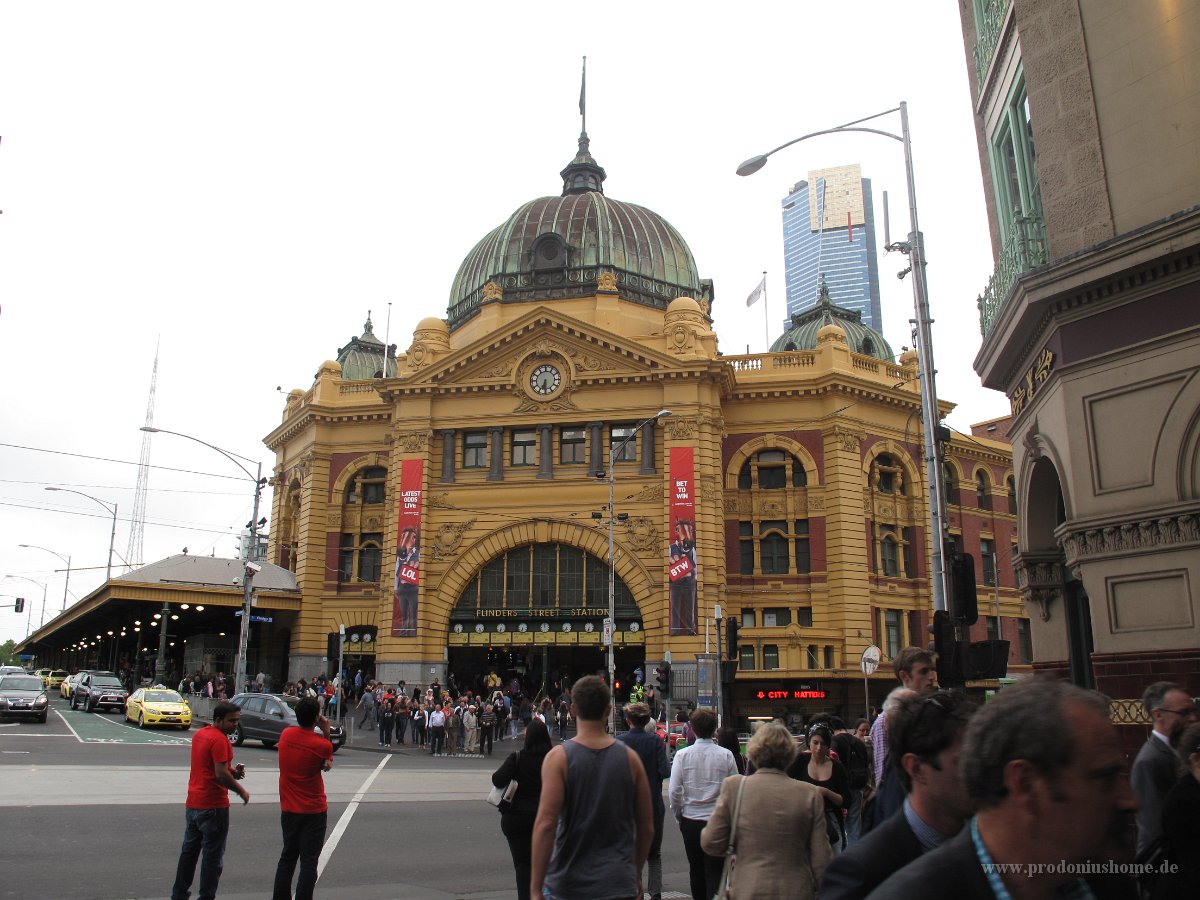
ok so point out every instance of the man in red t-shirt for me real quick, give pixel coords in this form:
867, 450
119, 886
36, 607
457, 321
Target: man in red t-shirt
303, 756
207, 812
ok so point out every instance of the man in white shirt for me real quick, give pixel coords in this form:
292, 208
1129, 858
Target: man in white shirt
437, 731
696, 775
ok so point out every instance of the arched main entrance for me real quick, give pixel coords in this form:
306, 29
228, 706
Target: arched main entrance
536, 613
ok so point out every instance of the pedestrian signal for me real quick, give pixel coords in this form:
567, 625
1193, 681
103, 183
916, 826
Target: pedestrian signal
19, 606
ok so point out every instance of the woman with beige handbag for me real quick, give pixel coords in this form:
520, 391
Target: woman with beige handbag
770, 828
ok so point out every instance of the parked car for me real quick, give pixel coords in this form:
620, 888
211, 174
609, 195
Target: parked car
23, 696
99, 690
264, 716
158, 706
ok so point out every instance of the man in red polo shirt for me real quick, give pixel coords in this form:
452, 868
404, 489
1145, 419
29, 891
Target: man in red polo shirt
303, 756
207, 812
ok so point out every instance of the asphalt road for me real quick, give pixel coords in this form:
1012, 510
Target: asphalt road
93, 809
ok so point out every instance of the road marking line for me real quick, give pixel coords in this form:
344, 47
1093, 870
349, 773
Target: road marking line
68, 724
344, 822
26, 752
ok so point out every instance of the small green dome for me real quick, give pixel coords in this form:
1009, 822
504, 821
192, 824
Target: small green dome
861, 338
556, 247
362, 358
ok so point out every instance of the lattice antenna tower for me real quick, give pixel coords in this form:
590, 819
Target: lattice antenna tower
137, 521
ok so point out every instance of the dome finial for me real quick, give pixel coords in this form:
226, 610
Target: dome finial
367, 328
583, 173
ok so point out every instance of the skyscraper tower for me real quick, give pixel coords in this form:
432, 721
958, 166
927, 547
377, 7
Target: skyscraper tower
829, 228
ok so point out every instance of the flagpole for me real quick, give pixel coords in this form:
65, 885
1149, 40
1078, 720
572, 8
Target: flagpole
766, 318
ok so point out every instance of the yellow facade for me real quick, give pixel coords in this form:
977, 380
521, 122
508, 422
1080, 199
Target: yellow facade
851, 421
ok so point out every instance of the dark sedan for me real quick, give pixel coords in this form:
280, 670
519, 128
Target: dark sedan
23, 696
264, 716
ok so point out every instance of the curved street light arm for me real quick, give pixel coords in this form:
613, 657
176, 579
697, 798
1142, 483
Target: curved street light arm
232, 457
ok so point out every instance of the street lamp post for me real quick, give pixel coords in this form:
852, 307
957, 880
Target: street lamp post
66, 559
160, 664
112, 535
612, 568
914, 248
250, 567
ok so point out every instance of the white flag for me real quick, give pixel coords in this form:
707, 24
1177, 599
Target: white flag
757, 292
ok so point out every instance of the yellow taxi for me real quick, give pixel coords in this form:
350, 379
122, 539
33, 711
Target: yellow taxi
158, 706
43, 674
55, 678
68, 685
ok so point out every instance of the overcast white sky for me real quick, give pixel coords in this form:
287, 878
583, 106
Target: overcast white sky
245, 180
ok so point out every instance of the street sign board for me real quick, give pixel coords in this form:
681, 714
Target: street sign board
870, 660
608, 631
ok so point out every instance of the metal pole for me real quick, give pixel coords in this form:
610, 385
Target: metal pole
341, 664
66, 583
719, 673
612, 585
111, 540
160, 664
866, 699
248, 570
929, 403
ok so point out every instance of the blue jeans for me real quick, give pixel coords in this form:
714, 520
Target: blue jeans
303, 836
206, 830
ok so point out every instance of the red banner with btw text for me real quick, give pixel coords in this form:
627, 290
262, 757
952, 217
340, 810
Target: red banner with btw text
408, 549
681, 564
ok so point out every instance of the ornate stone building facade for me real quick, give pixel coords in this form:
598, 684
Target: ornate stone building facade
453, 516
1091, 322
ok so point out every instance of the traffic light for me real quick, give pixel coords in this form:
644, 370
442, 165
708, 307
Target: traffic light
731, 638
663, 679
964, 603
19, 606
945, 645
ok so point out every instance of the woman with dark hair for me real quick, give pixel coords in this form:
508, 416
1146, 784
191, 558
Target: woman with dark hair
525, 766
727, 738
817, 767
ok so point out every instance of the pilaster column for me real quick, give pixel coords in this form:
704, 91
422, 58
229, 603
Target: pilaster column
596, 456
545, 451
647, 439
449, 455
496, 454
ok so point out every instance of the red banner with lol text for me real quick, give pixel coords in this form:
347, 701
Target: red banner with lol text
681, 565
408, 550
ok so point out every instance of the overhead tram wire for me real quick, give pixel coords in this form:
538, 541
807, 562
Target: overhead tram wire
121, 487
123, 462
207, 530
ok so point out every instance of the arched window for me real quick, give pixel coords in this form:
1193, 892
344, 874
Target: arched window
769, 470
950, 484
868, 346
889, 476
983, 490
889, 556
1012, 496
367, 486
542, 576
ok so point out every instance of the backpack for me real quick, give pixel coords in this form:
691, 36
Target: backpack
854, 756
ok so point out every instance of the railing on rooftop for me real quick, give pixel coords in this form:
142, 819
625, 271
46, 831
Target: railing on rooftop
1023, 249
989, 21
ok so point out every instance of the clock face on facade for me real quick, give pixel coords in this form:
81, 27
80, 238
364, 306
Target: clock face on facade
545, 379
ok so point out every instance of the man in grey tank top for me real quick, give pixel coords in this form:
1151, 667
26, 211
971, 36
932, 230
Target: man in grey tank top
595, 821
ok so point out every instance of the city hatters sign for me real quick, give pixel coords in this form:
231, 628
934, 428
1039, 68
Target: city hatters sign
408, 546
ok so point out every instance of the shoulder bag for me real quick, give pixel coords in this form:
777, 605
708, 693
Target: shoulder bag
502, 797
725, 891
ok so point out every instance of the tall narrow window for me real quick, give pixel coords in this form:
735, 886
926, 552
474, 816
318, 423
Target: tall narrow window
950, 485
746, 548
524, 448
889, 557
773, 548
828, 657
475, 450
747, 617
770, 656
804, 617
814, 661
803, 555
983, 490
370, 557
987, 560
1024, 641
746, 656
771, 472
993, 628
892, 631
346, 549
1012, 496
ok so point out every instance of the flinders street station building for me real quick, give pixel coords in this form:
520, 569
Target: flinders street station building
447, 507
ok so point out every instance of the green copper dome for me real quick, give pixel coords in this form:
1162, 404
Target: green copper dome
362, 358
802, 335
556, 247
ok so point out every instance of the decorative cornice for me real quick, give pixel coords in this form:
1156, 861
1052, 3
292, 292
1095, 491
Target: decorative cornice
1135, 536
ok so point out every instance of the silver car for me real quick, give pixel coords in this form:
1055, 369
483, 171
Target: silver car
23, 696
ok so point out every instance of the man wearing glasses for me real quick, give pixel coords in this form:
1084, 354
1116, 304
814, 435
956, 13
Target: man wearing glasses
926, 740
1155, 770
